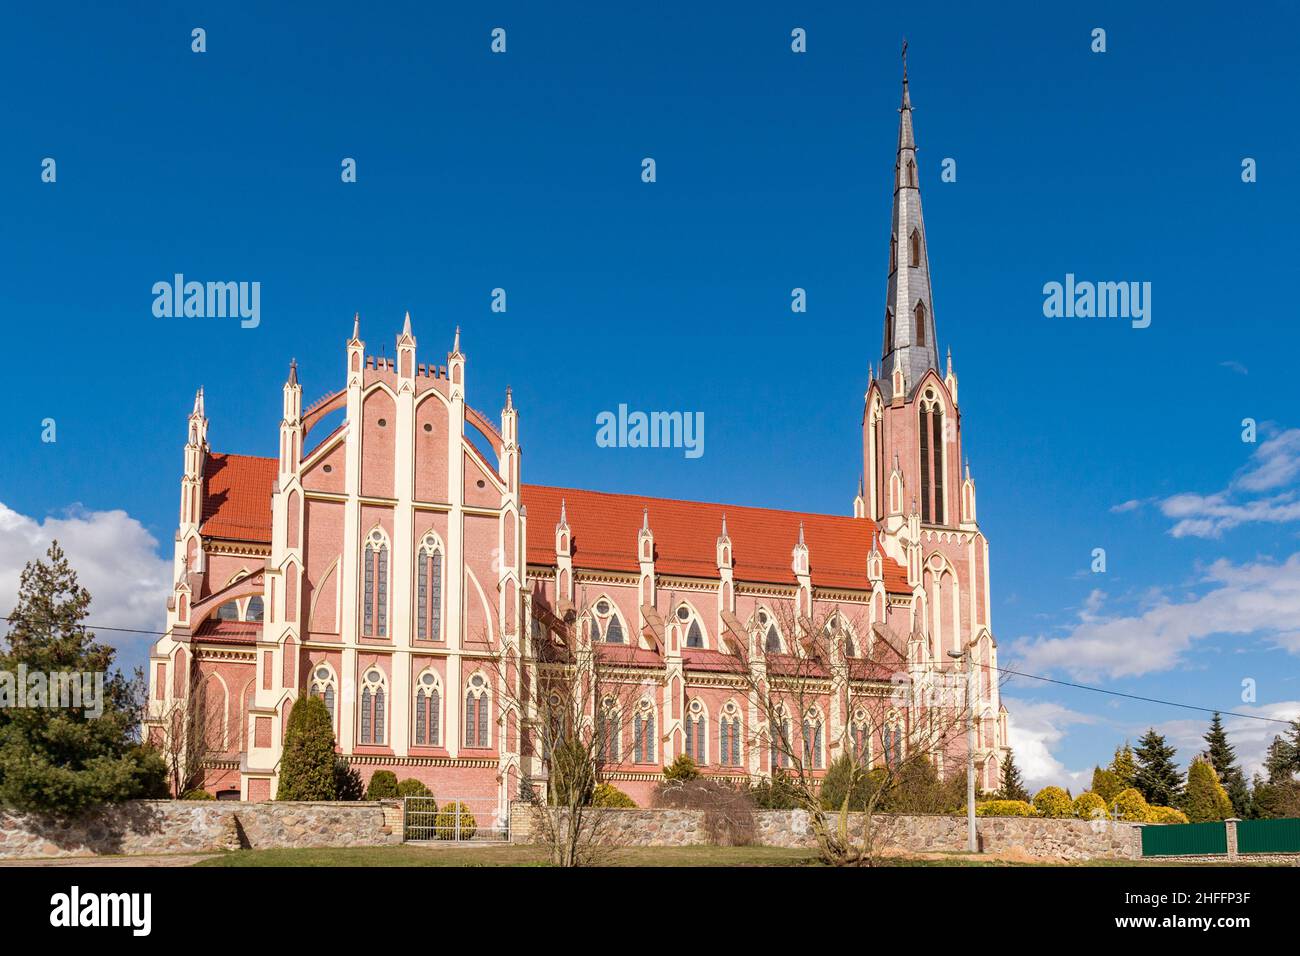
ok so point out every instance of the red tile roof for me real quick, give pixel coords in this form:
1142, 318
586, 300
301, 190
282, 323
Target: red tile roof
237, 497
237, 506
605, 526
213, 631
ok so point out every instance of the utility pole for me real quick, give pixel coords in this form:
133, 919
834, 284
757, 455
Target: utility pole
968, 661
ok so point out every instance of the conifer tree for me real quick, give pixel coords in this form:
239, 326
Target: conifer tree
1205, 800
308, 765
63, 757
1124, 767
1158, 777
1106, 784
1223, 758
1013, 787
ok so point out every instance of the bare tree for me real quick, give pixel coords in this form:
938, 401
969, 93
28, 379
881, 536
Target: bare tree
893, 716
578, 697
182, 733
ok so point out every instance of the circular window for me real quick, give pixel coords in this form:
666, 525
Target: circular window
695, 707
481, 483
327, 469
683, 614
602, 607
428, 427
373, 675
383, 422
322, 673
427, 680
477, 680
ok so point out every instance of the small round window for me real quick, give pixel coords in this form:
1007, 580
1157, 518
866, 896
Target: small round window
373, 675
383, 422
427, 680
476, 680
683, 614
322, 673
602, 607
327, 469
428, 427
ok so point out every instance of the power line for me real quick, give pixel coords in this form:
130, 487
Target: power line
1000, 670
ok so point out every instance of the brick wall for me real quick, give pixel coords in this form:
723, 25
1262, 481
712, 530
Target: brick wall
182, 826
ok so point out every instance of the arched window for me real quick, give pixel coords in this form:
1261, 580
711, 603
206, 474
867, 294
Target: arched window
607, 728
920, 324
893, 741
643, 733
696, 732
375, 572
860, 738
812, 739
428, 591
614, 633
911, 172
889, 332
916, 248
476, 712
772, 639
933, 507
729, 735
780, 740
893, 253
228, 611
690, 620
322, 686
256, 608
605, 623
372, 707
428, 710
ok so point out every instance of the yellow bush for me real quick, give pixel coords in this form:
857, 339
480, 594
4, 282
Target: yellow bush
607, 795
1004, 808
1130, 805
1090, 806
1165, 815
1053, 802
445, 822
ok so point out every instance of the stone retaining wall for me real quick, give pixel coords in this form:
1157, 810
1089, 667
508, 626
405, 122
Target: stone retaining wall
1034, 838
183, 826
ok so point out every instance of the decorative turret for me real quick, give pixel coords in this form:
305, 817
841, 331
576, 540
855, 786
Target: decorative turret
909, 314
356, 349
875, 562
291, 424
724, 547
196, 452
508, 467
950, 379
968, 497
456, 367
406, 352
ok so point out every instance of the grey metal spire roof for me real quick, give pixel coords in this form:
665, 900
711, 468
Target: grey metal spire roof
909, 316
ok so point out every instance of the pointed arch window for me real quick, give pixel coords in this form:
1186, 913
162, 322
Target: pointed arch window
375, 574
915, 245
860, 738
911, 172
772, 642
607, 728
256, 608
605, 623
920, 324
893, 253
643, 733
696, 732
780, 742
729, 735
889, 332
428, 711
477, 705
322, 686
893, 741
812, 740
372, 707
933, 506
428, 591
691, 621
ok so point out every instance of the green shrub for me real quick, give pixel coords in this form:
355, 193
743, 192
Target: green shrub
1204, 798
444, 823
607, 795
775, 793
1106, 784
1090, 806
1131, 806
683, 768
573, 776
383, 786
198, 793
410, 787
1166, 815
847, 778
1053, 802
1004, 808
347, 781
307, 766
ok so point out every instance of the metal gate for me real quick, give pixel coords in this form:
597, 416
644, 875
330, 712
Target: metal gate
467, 820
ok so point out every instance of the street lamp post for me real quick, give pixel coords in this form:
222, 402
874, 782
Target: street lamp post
965, 656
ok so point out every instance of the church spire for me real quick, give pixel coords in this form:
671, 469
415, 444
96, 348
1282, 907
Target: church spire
909, 310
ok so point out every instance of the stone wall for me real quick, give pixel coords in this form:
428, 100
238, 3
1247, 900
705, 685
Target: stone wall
184, 826
1030, 837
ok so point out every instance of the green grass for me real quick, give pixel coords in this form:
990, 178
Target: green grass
505, 855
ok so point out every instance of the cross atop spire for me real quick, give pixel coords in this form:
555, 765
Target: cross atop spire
909, 309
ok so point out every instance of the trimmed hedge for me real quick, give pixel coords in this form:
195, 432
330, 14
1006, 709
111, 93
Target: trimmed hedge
1004, 808
1166, 815
383, 785
1090, 806
1131, 806
410, 787
607, 795
1053, 802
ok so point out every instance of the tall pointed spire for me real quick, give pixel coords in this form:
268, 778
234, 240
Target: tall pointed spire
909, 309
356, 327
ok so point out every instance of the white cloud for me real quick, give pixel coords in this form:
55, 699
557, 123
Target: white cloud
116, 560
1249, 738
1257, 598
1274, 464
1034, 728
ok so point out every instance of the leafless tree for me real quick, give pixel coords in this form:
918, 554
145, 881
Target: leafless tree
183, 733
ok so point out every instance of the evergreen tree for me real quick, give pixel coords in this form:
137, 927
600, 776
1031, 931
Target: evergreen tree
1223, 758
1158, 778
1205, 800
1280, 760
1106, 784
1124, 767
307, 766
57, 759
1013, 787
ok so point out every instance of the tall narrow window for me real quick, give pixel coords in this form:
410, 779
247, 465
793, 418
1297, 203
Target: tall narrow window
428, 712
695, 732
322, 686
916, 248
936, 463
893, 253
780, 737
643, 734
694, 636
729, 735
375, 561
772, 643
428, 592
476, 712
607, 728
920, 324
812, 740
372, 707
925, 466
880, 467
889, 333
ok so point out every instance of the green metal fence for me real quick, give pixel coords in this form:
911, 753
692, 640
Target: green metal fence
1268, 836
1185, 839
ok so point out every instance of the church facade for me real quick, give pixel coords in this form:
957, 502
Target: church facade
390, 565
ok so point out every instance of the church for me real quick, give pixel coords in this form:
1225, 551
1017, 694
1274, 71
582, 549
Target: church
389, 565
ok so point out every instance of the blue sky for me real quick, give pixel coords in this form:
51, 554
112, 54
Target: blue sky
522, 171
